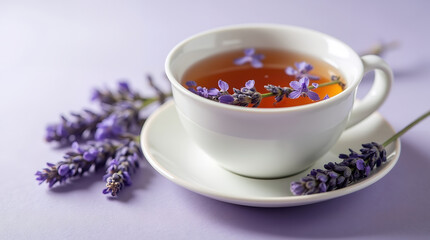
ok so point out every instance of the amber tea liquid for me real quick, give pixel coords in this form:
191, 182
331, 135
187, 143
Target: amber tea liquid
207, 72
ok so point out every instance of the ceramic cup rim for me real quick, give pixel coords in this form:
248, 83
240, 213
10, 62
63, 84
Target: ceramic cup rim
349, 89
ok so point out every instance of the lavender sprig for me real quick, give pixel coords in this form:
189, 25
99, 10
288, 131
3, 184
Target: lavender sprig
125, 162
78, 161
119, 115
353, 167
113, 133
248, 95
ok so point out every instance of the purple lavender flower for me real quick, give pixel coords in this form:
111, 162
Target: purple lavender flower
78, 161
118, 173
301, 89
224, 96
191, 85
303, 69
227, 99
123, 93
353, 167
82, 127
110, 127
119, 115
251, 57
223, 86
120, 120
247, 95
211, 93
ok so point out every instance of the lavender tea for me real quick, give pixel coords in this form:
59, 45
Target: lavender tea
293, 79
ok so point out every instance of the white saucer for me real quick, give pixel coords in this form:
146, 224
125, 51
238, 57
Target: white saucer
169, 150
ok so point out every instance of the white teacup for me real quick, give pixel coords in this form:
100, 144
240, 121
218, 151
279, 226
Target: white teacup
273, 142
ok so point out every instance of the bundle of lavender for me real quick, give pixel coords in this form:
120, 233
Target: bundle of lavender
107, 139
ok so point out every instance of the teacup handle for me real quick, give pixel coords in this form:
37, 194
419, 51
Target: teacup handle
377, 94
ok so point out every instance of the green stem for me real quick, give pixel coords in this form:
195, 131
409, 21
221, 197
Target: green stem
310, 88
148, 101
405, 129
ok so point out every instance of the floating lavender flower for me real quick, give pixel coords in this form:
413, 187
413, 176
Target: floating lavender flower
224, 96
303, 69
118, 173
211, 93
251, 57
241, 97
78, 161
301, 89
247, 95
223, 86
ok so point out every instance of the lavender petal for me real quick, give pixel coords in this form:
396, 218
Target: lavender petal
250, 84
313, 96
294, 94
226, 99
223, 85
291, 71
295, 85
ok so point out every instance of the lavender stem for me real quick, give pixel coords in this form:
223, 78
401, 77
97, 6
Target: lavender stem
405, 129
310, 87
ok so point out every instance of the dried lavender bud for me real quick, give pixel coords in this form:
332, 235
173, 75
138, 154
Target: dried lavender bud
118, 173
335, 78
278, 92
124, 119
247, 95
353, 167
78, 161
119, 121
119, 116
82, 127
123, 93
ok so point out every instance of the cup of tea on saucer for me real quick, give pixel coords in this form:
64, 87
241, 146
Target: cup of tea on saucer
288, 132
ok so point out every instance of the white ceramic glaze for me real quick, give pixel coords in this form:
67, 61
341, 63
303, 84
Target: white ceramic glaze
169, 149
272, 143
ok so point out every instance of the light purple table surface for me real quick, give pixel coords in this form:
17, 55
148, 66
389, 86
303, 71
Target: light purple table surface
52, 53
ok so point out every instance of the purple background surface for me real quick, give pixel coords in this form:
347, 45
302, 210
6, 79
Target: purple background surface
53, 52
